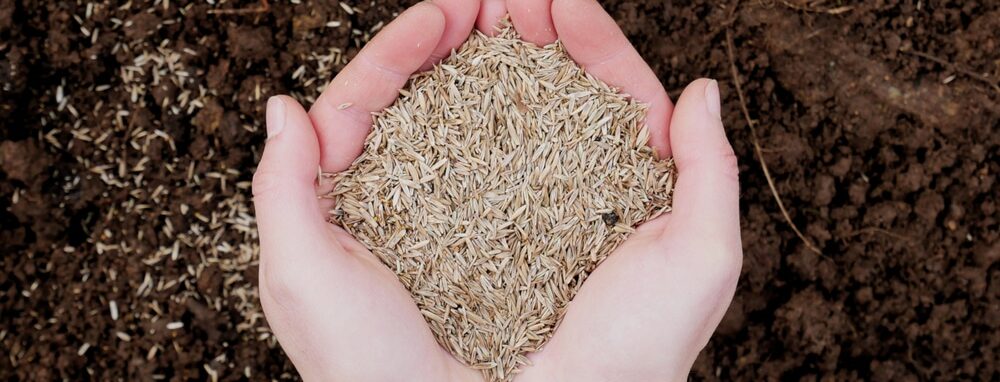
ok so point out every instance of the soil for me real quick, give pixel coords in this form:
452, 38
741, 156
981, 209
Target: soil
127, 152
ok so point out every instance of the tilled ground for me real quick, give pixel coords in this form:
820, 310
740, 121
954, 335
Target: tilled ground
131, 131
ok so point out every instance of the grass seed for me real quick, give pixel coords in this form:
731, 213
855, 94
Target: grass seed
494, 185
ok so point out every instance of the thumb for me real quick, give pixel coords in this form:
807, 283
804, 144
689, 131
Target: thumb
706, 197
705, 217
284, 185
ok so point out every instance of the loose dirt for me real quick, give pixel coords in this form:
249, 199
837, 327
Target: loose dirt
881, 144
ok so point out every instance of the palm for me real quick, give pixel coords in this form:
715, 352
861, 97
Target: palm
646, 307
642, 315
646, 312
351, 315
338, 312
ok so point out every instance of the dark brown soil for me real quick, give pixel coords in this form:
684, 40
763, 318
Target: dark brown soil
881, 139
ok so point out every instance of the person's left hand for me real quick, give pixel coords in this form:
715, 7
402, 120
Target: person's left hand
647, 311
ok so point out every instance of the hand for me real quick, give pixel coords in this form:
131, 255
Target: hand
341, 315
647, 311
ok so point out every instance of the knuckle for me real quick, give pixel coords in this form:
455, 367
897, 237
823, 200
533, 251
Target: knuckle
264, 181
731, 170
726, 264
715, 260
734, 267
730, 163
716, 161
280, 285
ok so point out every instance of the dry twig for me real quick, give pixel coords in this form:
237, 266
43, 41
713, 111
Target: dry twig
756, 141
950, 65
814, 9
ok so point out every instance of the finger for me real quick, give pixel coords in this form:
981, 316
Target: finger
319, 304
490, 14
371, 82
284, 183
705, 216
533, 20
460, 16
596, 43
655, 302
706, 197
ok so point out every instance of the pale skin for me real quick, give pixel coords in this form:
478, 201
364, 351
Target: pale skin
643, 315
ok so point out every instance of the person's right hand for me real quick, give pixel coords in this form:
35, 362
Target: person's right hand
647, 311
338, 312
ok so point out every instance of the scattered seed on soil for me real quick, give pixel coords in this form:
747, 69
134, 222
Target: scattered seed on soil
83, 349
494, 186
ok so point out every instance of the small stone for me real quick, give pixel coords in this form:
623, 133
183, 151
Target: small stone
610, 219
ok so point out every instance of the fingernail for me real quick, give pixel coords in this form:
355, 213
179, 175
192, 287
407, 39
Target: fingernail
712, 101
275, 116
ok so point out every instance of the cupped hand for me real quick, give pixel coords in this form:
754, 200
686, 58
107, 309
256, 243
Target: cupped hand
339, 314
647, 311
644, 314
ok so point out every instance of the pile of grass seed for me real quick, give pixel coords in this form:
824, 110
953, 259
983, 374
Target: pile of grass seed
494, 186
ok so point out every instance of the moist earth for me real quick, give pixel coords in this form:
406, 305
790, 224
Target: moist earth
131, 130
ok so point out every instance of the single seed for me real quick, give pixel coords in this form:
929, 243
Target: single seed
83, 349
